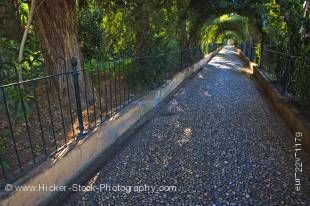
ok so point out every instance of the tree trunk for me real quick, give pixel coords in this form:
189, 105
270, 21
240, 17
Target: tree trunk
9, 19
183, 33
142, 42
55, 22
10, 24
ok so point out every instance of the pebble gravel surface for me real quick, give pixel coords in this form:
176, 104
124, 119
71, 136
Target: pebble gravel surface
217, 141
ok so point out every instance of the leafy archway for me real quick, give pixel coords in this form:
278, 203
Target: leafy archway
240, 26
230, 35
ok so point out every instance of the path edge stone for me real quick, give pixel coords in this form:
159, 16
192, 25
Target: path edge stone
289, 113
74, 160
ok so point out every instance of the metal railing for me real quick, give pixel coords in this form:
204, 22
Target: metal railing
249, 50
213, 46
289, 73
42, 115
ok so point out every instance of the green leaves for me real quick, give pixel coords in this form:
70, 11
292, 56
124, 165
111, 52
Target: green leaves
18, 101
224, 27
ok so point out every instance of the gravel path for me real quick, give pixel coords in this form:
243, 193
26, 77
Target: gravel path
217, 140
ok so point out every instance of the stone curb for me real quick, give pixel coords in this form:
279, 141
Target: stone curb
74, 160
289, 113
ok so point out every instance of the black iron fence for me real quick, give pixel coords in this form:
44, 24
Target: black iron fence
41, 115
213, 46
289, 73
249, 50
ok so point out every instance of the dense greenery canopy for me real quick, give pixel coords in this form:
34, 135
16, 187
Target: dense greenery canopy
73, 64
137, 27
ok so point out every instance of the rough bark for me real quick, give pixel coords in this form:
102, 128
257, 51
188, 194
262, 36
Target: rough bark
142, 42
9, 19
55, 22
182, 33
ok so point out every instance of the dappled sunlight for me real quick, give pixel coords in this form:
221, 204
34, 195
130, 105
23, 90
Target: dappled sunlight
173, 108
220, 65
225, 61
207, 94
63, 151
88, 187
185, 137
158, 93
200, 76
114, 117
94, 178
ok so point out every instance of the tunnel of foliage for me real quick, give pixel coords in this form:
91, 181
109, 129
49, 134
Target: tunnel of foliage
122, 49
98, 31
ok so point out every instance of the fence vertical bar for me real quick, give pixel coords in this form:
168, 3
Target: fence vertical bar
115, 82
61, 114
99, 87
69, 102
26, 122
287, 73
110, 88
39, 117
50, 112
261, 64
105, 93
3, 168
86, 100
11, 128
75, 75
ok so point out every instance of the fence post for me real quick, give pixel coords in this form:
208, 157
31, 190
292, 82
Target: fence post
287, 72
253, 53
75, 75
261, 63
250, 51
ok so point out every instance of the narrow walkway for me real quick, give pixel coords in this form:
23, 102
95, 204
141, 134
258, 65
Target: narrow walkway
217, 140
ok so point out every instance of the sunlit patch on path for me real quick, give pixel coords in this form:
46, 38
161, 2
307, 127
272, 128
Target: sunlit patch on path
222, 145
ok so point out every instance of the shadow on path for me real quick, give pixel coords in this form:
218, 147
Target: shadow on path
217, 141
